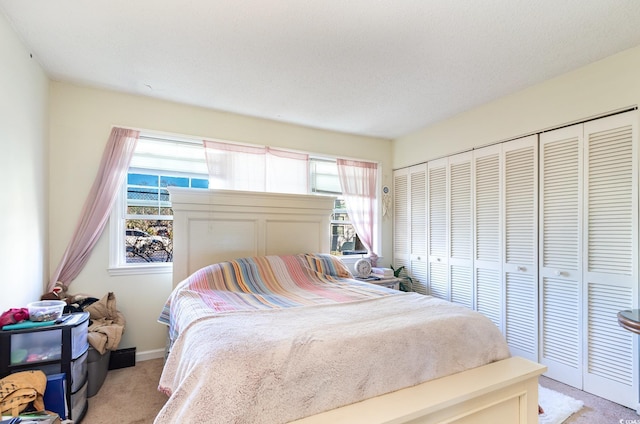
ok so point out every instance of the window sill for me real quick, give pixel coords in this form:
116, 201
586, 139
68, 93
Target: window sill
162, 268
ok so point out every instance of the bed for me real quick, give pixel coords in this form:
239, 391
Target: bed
262, 333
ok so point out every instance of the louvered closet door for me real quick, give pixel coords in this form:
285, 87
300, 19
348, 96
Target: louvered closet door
410, 224
401, 219
520, 246
611, 257
560, 254
438, 230
488, 233
461, 283
418, 228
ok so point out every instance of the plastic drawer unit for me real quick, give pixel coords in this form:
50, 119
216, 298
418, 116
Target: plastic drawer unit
53, 349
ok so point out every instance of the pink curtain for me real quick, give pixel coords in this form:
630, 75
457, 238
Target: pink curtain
95, 213
358, 181
238, 167
287, 172
234, 166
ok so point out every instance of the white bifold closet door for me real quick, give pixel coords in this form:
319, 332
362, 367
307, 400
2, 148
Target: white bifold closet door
561, 176
589, 255
488, 166
410, 224
520, 241
418, 245
460, 199
610, 272
450, 229
438, 228
506, 241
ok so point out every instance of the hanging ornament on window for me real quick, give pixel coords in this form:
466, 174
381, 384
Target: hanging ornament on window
386, 202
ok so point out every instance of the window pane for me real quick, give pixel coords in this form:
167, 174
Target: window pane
340, 216
199, 183
343, 240
140, 196
327, 184
143, 210
174, 181
142, 180
149, 240
324, 177
165, 197
174, 156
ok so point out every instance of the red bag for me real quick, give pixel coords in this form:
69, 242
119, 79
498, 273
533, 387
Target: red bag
13, 316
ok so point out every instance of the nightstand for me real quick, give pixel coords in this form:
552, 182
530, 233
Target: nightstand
391, 283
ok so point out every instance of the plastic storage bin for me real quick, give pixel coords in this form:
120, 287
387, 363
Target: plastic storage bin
98, 367
79, 340
28, 348
79, 373
46, 310
79, 403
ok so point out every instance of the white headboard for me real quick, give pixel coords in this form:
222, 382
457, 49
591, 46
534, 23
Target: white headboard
212, 226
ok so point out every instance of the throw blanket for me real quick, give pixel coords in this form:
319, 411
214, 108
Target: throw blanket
278, 365
265, 282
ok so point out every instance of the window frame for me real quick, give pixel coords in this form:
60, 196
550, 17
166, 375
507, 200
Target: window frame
118, 217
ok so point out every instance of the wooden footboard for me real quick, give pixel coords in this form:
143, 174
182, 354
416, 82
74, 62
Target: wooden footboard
501, 392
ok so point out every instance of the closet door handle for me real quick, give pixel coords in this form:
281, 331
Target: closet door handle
521, 268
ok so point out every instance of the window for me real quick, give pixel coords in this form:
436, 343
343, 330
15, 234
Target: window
324, 179
142, 222
148, 216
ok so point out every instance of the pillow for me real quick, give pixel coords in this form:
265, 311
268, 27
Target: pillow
327, 264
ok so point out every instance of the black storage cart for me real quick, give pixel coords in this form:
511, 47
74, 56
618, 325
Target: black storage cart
53, 349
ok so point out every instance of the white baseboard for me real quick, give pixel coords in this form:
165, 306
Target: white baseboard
150, 354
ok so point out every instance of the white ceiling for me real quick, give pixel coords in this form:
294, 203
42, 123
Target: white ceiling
381, 68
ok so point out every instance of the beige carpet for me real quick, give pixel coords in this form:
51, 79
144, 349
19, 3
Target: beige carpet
130, 396
595, 410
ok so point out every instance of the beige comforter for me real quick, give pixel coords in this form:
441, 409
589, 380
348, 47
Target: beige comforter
276, 366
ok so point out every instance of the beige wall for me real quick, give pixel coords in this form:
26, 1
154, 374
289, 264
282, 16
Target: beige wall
23, 172
79, 124
608, 85
81, 119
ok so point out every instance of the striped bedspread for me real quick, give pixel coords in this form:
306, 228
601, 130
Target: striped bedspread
265, 282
